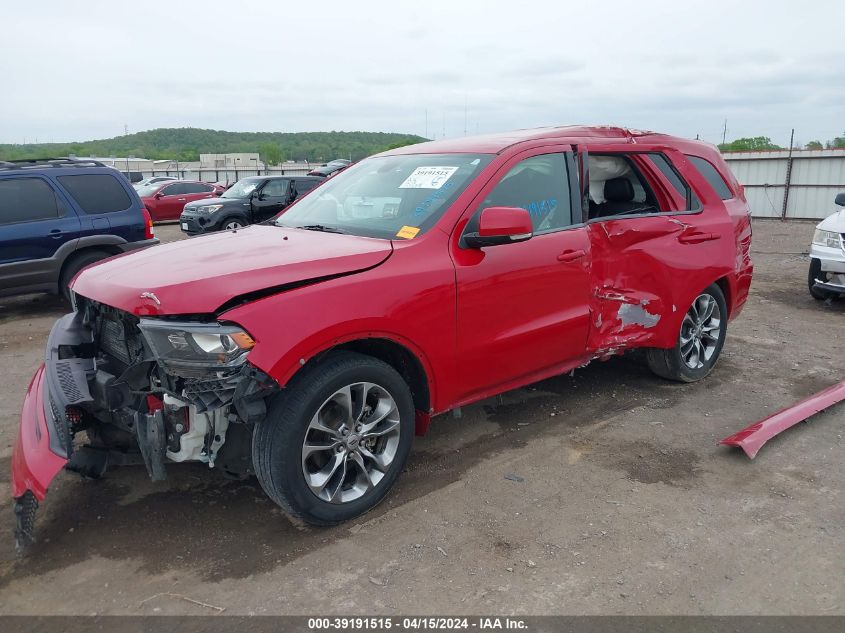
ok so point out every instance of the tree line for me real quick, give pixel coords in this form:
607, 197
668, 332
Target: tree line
757, 143
186, 144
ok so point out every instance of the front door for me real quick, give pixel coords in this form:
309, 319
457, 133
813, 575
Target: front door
34, 224
169, 206
272, 198
523, 309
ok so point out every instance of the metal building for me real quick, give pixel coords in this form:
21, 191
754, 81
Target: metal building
800, 185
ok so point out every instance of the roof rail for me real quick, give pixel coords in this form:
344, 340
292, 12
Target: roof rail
49, 162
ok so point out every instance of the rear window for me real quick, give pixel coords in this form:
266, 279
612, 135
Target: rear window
96, 193
666, 168
26, 200
712, 176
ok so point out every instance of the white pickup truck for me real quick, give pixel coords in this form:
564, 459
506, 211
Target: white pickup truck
826, 277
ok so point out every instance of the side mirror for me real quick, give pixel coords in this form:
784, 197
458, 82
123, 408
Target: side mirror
500, 225
840, 199
159, 195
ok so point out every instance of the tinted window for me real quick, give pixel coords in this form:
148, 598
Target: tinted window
276, 188
666, 168
197, 187
96, 193
173, 190
540, 185
712, 176
26, 200
303, 186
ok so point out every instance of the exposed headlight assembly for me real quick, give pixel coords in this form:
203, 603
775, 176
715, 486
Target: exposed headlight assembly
209, 208
826, 238
213, 346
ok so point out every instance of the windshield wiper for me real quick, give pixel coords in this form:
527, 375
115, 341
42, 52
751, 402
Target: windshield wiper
321, 227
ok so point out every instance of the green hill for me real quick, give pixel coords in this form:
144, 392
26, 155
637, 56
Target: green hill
188, 143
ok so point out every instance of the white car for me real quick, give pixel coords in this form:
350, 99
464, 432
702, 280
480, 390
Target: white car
827, 255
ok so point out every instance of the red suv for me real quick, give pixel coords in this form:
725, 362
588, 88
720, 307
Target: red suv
165, 200
310, 350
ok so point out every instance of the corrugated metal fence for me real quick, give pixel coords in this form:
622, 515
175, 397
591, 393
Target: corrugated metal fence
800, 185
226, 176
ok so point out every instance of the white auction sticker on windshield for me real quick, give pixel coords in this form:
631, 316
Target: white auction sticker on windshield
428, 178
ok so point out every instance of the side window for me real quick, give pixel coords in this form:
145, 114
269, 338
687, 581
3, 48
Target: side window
173, 190
540, 185
304, 186
97, 193
712, 176
668, 170
276, 188
618, 188
196, 187
27, 200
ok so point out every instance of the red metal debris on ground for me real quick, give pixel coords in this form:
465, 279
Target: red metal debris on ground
751, 438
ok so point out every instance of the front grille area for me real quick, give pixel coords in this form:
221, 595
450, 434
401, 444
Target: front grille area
116, 332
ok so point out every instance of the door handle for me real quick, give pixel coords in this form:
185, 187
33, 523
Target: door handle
697, 238
180, 200
56, 233
571, 256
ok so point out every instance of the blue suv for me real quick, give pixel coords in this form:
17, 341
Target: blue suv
57, 216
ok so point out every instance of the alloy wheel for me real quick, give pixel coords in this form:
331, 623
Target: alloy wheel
234, 224
351, 442
701, 330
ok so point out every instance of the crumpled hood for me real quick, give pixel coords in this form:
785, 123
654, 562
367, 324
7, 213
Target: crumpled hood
199, 275
835, 222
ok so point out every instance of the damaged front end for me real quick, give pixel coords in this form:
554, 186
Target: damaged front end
143, 390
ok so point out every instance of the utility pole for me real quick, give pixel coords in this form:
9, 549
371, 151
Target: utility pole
426, 123
725, 132
788, 178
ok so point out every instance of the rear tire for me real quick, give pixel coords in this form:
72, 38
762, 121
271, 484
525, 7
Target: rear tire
76, 263
699, 343
324, 462
814, 273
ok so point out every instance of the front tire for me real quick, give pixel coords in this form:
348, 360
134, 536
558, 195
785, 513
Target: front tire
700, 340
335, 439
814, 273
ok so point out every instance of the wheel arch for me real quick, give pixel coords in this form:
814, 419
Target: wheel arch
109, 249
399, 354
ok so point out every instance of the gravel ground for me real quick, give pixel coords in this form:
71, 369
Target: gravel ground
602, 492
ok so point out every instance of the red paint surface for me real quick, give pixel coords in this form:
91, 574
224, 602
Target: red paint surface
166, 207
480, 321
751, 438
33, 463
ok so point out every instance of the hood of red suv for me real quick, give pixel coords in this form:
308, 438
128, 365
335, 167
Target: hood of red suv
199, 275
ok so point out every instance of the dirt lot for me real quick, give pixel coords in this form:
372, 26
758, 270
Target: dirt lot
602, 492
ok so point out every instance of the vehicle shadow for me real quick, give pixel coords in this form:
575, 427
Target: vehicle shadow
32, 306
219, 528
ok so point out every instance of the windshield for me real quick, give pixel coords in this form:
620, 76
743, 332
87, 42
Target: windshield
242, 188
387, 196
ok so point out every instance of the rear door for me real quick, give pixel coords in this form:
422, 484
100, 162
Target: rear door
271, 198
35, 224
654, 249
105, 205
523, 308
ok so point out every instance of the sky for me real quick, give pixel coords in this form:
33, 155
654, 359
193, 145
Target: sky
76, 71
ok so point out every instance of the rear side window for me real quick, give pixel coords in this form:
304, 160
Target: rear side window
196, 187
304, 186
27, 200
96, 193
712, 176
276, 188
666, 168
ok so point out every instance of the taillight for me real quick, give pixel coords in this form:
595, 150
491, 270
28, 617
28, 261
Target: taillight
149, 229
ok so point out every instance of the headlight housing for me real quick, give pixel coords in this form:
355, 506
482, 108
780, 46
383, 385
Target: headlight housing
214, 346
209, 208
826, 238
